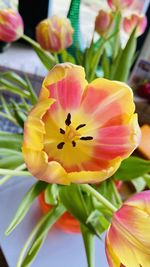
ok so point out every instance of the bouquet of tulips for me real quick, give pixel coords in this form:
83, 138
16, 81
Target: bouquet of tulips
77, 136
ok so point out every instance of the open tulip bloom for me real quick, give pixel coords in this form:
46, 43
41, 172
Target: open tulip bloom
79, 132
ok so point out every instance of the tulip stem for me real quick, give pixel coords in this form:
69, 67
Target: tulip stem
89, 189
14, 172
7, 177
35, 44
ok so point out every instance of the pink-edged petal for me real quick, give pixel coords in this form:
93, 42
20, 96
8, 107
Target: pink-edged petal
117, 141
65, 83
108, 102
112, 258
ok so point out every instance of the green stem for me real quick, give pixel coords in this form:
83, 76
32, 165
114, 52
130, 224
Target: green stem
88, 239
7, 177
14, 172
56, 57
34, 43
89, 189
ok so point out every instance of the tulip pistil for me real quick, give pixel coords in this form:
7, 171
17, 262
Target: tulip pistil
71, 133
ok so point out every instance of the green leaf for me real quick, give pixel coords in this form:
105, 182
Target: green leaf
108, 190
15, 78
46, 58
125, 60
18, 113
66, 57
132, 168
98, 220
147, 180
9, 152
25, 205
88, 239
8, 86
72, 198
11, 162
139, 184
40, 234
10, 140
51, 194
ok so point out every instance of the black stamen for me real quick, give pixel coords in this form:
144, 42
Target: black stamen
62, 131
86, 138
60, 145
68, 120
80, 126
73, 143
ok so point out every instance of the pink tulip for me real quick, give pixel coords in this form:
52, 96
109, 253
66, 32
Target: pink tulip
128, 238
79, 132
103, 22
135, 20
119, 4
54, 34
11, 25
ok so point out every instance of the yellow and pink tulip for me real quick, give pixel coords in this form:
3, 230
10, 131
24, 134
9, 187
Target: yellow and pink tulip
79, 132
128, 238
11, 25
135, 20
54, 34
103, 22
119, 4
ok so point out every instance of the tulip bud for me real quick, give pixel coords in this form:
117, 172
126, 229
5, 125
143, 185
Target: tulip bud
135, 20
128, 238
119, 4
54, 34
11, 25
103, 22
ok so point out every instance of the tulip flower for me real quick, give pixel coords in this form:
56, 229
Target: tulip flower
135, 20
128, 238
103, 22
119, 4
11, 25
54, 34
79, 132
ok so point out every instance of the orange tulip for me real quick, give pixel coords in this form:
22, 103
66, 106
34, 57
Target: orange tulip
119, 4
79, 132
54, 34
135, 20
128, 238
11, 25
103, 22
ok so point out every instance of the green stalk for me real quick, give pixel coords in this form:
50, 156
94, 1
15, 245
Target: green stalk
88, 239
7, 177
89, 189
14, 172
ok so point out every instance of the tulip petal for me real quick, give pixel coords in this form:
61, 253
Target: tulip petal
106, 100
50, 172
114, 141
112, 258
34, 127
94, 176
65, 83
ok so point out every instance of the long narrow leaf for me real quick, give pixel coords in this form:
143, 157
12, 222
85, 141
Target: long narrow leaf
25, 205
38, 236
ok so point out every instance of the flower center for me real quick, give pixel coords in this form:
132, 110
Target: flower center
71, 134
